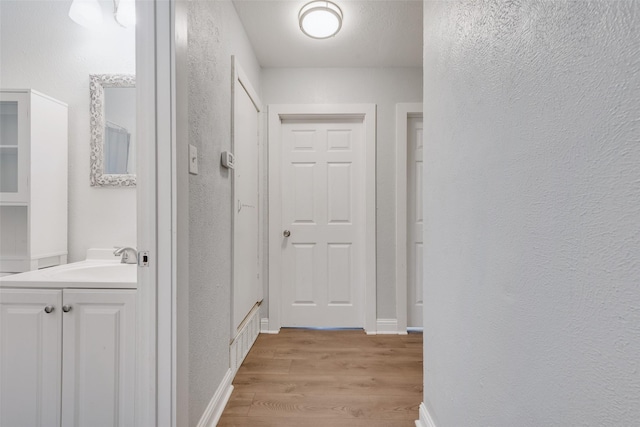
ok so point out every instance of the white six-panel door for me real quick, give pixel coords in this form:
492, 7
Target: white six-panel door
414, 222
323, 214
30, 357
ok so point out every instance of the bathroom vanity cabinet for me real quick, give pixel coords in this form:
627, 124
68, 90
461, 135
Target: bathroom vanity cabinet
33, 180
67, 357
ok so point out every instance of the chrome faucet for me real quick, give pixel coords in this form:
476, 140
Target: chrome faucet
129, 255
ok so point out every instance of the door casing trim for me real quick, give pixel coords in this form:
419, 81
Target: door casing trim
276, 114
403, 112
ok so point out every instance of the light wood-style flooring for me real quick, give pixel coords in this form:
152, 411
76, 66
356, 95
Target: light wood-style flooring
320, 378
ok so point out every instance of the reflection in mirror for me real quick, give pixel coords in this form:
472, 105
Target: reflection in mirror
120, 130
113, 129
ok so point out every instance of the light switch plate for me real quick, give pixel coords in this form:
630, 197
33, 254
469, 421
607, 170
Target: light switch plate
227, 159
193, 159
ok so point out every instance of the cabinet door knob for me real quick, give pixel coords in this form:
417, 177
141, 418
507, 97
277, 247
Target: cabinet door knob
66, 308
49, 309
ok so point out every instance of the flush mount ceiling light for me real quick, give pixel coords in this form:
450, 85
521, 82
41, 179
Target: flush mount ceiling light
88, 13
320, 19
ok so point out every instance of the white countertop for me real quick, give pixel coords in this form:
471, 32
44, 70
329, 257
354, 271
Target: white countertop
101, 270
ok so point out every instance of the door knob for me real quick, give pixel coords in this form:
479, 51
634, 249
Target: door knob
286, 233
49, 309
66, 308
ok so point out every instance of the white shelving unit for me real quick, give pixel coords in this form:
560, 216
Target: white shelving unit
33, 180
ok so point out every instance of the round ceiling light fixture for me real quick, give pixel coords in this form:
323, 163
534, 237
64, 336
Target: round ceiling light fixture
320, 19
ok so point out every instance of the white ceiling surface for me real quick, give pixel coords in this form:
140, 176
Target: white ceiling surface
375, 33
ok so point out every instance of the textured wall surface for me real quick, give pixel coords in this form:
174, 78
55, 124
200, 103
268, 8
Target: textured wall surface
215, 33
382, 86
43, 49
532, 177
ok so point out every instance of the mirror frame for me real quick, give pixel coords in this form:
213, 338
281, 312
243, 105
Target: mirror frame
97, 83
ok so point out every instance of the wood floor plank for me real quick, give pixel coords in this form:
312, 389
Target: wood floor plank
309, 422
325, 406
410, 353
316, 378
267, 366
264, 352
356, 366
336, 339
239, 403
386, 385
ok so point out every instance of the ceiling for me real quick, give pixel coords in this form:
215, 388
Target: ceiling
375, 33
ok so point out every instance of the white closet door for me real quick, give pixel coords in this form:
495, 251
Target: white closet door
30, 357
246, 291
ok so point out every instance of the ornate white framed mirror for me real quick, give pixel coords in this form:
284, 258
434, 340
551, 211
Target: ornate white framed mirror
113, 130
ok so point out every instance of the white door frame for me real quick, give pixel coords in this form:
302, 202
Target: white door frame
155, 395
403, 112
277, 113
240, 77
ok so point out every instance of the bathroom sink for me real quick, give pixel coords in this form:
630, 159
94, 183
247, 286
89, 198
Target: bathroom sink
91, 273
95, 272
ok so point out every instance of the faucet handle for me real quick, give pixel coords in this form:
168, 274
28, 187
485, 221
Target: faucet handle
129, 255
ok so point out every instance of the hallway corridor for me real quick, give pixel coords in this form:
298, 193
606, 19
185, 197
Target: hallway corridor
328, 378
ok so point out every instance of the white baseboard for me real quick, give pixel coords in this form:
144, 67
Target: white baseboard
245, 338
426, 420
264, 327
214, 410
388, 326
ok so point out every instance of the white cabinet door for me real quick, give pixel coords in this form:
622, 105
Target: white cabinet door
99, 358
30, 357
14, 149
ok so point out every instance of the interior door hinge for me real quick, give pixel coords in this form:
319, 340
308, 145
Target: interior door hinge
143, 258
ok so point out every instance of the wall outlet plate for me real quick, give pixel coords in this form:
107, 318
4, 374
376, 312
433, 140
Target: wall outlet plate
193, 159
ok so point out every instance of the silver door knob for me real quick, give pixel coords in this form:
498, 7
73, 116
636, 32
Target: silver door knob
49, 309
286, 233
66, 308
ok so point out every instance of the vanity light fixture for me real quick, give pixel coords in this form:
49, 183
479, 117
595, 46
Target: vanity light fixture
320, 19
125, 12
88, 13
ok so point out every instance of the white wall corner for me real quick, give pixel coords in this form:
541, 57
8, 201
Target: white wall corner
388, 326
264, 327
426, 420
214, 409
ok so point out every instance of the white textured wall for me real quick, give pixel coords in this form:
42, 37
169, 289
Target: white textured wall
41, 48
382, 86
532, 227
215, 33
